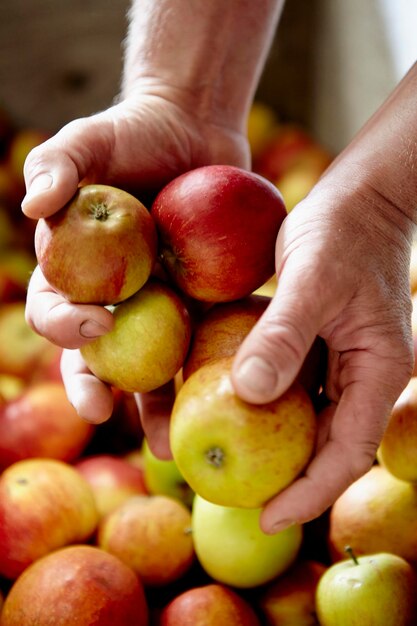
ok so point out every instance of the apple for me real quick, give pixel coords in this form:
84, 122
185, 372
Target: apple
208, 605
235, 453
22, 142
100, 248
162, 477
16, 267
148, 343
217, 228
221, 329
152, 535
377, 513
112, 479
398, 448
21, 348
41, 422
282, 151
232, 548
45, 504
291, 598
262, 126
11, 386
376, 590
78, 584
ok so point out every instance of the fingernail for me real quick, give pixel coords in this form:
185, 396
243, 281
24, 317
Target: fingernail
40, 183
91, 329
257, 375
280, 525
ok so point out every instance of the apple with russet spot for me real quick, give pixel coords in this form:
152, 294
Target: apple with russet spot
234, 453
374, 589
208, 605
45, 504
100, 248
232, 548
78, 584
217, 228
148, 343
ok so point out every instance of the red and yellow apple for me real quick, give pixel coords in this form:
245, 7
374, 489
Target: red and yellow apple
377, 513
234, 453
148, 343
151, 534
377, 589
282, 151
217, 228
41, 422
232, 548
112, 479
45, 504
209, 605
78, 584
100, 248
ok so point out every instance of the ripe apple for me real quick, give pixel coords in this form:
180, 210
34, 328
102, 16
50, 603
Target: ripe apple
290, 598
209, 605
233, 550
162, 477
78, 584
16, 267
377, 513
22, 142
11, 387
112, 479
376, 590
398, 448
41, 422
262, 127
21, 348
152, 535
45, 504
100, 248
235, 453
148, 343
217, 229
282, 151
414, 320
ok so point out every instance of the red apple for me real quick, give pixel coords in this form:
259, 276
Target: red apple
282, 151
291, 598
234, 453
100, 248
15, 269
112, 479
41, 422
44, 505
151, 534
209, 605
21, 348
148, 343
76, 585
217, 227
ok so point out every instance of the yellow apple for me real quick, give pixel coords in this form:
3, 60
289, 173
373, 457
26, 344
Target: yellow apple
233, 550
234, 453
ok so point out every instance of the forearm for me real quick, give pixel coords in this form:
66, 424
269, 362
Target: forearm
383, 155
210, 53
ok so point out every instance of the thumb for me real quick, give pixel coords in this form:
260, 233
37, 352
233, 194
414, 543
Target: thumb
272, 354
54, 169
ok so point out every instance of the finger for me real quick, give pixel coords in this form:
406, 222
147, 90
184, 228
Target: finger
155, 409
91, 398
63, 323
54, 169
353, 437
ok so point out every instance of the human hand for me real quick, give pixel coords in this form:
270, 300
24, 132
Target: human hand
343, 274
138, 145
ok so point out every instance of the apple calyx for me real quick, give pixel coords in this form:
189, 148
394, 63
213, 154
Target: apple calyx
100, 211
215, 456
352, 555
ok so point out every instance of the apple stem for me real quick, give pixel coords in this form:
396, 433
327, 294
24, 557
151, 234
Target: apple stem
352, 555
215, 456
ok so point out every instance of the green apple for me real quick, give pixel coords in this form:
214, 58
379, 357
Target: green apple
232, 548
162, 477
371, 590
148, 343
290, 599
398, 448
234, 453
377, 513
100, 248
